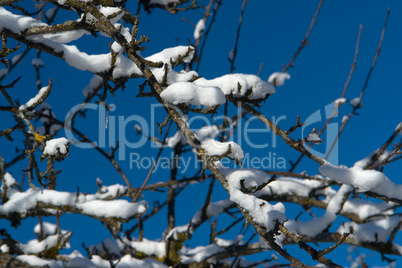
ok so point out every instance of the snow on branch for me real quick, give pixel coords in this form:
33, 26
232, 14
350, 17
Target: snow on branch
363, 180
24, 203
247, 86
261, 211
278, 78
38, 99
192, 94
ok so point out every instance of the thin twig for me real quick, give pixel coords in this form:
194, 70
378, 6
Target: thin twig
304, 42
336, 107
139, 191
364, 87
232, 60
215, 11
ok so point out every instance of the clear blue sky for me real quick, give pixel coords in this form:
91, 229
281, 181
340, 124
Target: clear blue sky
270, 34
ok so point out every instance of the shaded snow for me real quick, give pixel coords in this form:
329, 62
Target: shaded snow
148, 247
23, 202
278, 78
363, 180
372, 231
36, 261
192, 94
199, 28
56, 145
317, 225
240, 85
262, 212
216, 148
35, 99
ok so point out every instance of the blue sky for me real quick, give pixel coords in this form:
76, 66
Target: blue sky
270, 34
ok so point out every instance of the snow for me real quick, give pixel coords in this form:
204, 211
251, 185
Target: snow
288, 185
35, 99
200, 253
374, 231
9, 180
99, 63
138, 128
356, 102
207, 132
252, 178
231, 55
117, 208
260, 210
229, 84
340, 101
50, 12
126, 67
3, 72
23, 202
399, 127
171, 142
363, 180
34, 246
17, 23
56, 145
216, 148
108, 246
148, 247
317, 225
192, 94
173, 54
15, 59
129, 262
199, 29
278, 78
80, 262
178, 230
36, 261
47, 229
229, 243
213, 210
107, 12
81, 60
95, 82
345, 118
65, 37
365, 209
4, 248
108, 192
37, 63
99, 262
314, 138
363, 163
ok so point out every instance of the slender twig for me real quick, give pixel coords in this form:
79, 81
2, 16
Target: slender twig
304, 42
311, 251
380, 152
277, 131
215, 11
232, 60
333, 247
139, 191
336, 107
355, 108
